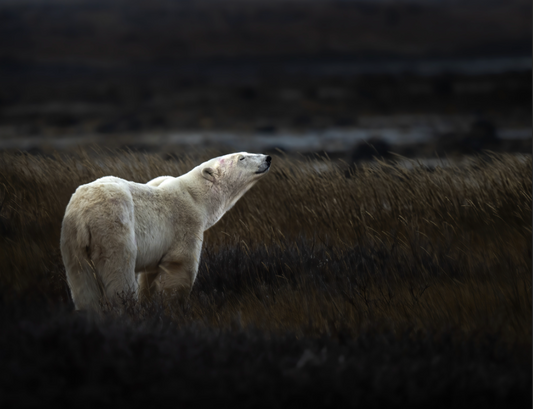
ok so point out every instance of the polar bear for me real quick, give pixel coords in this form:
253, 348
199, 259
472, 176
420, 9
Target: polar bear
119, 236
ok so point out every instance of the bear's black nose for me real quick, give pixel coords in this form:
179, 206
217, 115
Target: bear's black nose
268, 159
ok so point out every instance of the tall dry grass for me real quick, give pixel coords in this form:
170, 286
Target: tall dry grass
316, 247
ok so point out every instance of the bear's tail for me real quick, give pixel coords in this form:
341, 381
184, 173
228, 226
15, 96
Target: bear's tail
85, 285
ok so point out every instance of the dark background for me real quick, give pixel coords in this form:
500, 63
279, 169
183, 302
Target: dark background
161, 75
343, 300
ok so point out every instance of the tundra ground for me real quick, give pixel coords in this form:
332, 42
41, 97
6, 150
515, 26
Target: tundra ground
374, 284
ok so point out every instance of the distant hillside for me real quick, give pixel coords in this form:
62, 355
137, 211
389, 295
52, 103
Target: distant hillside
142, 31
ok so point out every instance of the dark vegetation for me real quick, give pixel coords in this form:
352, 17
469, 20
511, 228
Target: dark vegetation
326, 284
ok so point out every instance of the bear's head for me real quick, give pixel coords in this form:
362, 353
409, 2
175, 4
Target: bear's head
234, 174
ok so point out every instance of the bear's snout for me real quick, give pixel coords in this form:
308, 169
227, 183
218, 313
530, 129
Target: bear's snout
264, 166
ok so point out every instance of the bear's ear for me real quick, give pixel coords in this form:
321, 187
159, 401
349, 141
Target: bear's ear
209, 174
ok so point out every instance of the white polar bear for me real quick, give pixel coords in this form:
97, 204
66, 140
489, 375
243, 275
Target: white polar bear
114, 229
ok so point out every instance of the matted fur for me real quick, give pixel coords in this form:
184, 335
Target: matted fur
119, 236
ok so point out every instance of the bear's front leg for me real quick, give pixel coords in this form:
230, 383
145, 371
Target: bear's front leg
176, 279
178, 268
147, 285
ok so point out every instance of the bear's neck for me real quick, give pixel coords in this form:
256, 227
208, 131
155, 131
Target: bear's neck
209, 199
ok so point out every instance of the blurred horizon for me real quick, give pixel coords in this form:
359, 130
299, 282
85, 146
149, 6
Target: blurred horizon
251, 69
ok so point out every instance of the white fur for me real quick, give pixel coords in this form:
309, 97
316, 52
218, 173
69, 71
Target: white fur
114, 229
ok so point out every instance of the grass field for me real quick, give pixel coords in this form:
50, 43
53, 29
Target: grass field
372, 284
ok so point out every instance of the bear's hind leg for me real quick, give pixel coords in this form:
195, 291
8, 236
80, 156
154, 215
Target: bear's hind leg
120, 291
116, 269
85, 288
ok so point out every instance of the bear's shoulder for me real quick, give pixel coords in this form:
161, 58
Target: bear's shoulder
159, 180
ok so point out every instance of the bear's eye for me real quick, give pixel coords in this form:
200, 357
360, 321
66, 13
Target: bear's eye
241, 158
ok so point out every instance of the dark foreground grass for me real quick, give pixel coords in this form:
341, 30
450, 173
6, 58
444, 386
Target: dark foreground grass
374, 285
50, 356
